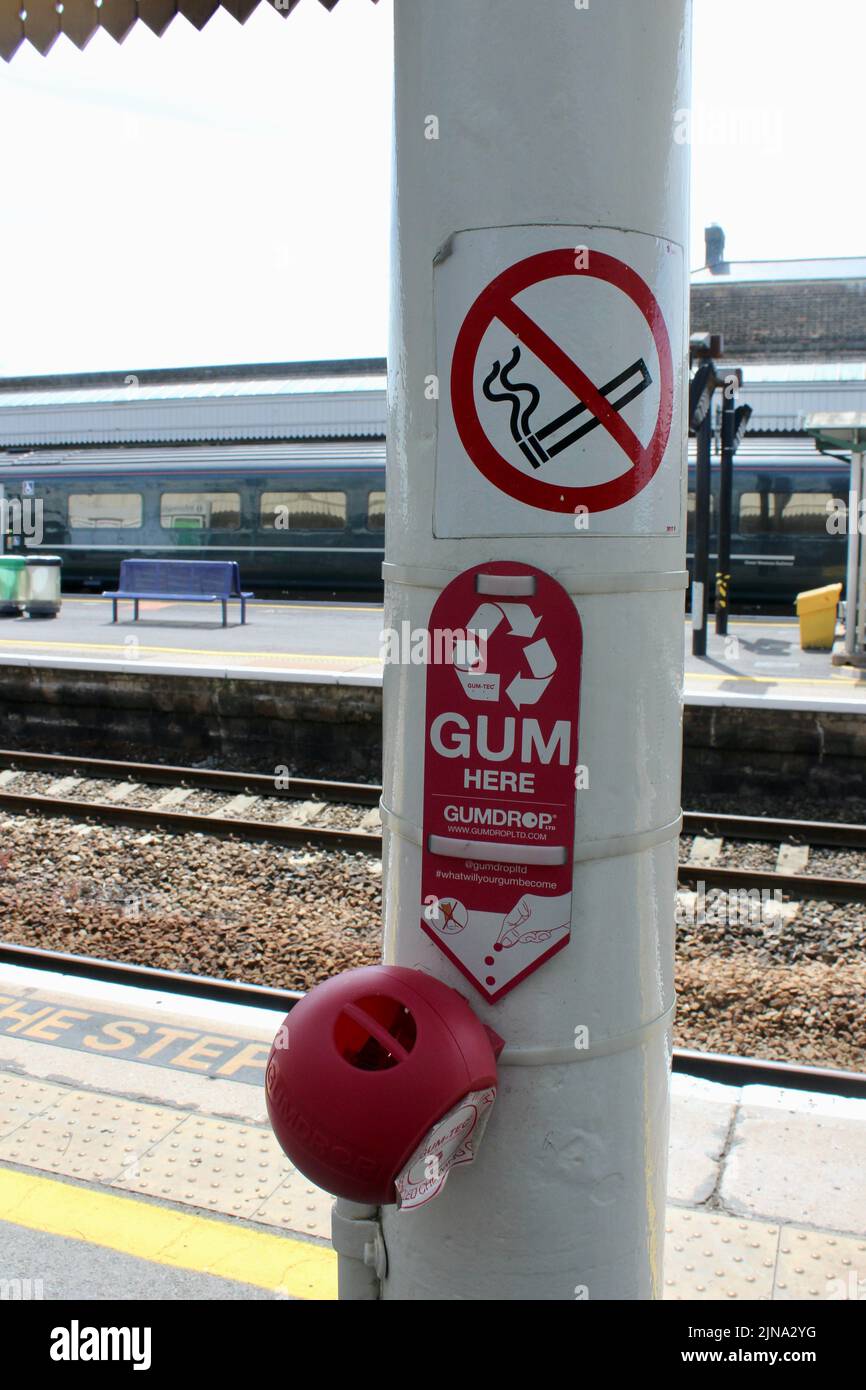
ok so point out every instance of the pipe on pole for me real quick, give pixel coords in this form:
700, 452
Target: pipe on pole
521, 127
726, 492
701, 561
852, 579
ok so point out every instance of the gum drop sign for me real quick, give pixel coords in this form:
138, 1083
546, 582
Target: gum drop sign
503, 692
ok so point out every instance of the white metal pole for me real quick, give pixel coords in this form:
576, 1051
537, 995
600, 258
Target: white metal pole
861, 566
852, 580
547, 117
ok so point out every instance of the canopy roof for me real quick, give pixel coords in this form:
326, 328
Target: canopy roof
41, 21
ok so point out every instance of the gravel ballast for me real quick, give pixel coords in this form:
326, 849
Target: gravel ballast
285, 916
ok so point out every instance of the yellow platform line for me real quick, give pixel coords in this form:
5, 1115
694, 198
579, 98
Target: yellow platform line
773, 680
295, 1268
183, 651
251, 603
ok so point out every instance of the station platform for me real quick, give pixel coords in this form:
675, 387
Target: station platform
279, 638
759, 663
136, 1162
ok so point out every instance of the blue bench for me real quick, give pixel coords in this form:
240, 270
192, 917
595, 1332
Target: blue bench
181, 581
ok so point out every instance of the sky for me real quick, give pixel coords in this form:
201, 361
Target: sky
224, 196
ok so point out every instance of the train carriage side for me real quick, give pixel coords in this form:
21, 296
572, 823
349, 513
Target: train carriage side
784, 537
293, 516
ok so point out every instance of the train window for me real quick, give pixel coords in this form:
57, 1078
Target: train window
200, 511
690, 511
783, 513
376, 511
303, 511
90, 511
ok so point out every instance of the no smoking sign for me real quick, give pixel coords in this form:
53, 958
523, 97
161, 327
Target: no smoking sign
558, 351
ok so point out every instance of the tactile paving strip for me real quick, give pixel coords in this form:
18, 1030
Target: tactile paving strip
216, 1164
817, 1265
21, 1099
88, 1135
298, 1206
710, 1255
238, 1170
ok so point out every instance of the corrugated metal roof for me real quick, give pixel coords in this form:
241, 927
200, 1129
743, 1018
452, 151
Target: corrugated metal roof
332, 408
817, 268
809, 372
797, 451
212, 458
299, 408
41, 22
782, 406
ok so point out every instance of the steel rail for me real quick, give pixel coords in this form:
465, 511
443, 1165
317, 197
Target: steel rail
808, 886
800, 886
804, 832
732, 1070
758, 828
162, 774
712, 1066
188, 822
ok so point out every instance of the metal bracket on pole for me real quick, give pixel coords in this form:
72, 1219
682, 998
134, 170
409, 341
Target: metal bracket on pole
357, 1237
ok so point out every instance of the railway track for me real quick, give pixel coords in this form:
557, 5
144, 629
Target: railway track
712, 1066
298, 800
253, 807
164, 774
243, 791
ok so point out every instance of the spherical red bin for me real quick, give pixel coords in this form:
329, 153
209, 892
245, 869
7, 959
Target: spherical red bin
364, 1066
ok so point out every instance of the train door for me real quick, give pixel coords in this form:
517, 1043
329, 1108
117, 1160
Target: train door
304, 532
781, 538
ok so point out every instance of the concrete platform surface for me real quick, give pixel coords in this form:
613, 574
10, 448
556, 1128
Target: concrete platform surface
759, 662
278, 637
135, 1155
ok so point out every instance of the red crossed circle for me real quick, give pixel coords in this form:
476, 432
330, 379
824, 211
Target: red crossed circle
497, 302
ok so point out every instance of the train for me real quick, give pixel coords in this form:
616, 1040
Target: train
785, 535
311, 516
295, 516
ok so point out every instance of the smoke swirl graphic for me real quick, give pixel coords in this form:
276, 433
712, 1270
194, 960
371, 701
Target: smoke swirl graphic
519, 418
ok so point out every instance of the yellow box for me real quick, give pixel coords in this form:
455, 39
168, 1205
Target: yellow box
816, 609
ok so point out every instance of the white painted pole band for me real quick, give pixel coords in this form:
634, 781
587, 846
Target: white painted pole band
608, 848
426, 577
496, 852
852, 583
580, 1050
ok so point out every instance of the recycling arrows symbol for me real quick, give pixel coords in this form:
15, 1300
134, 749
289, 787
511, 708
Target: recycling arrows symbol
481, 684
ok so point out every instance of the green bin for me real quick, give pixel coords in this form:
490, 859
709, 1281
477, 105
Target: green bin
13, 585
